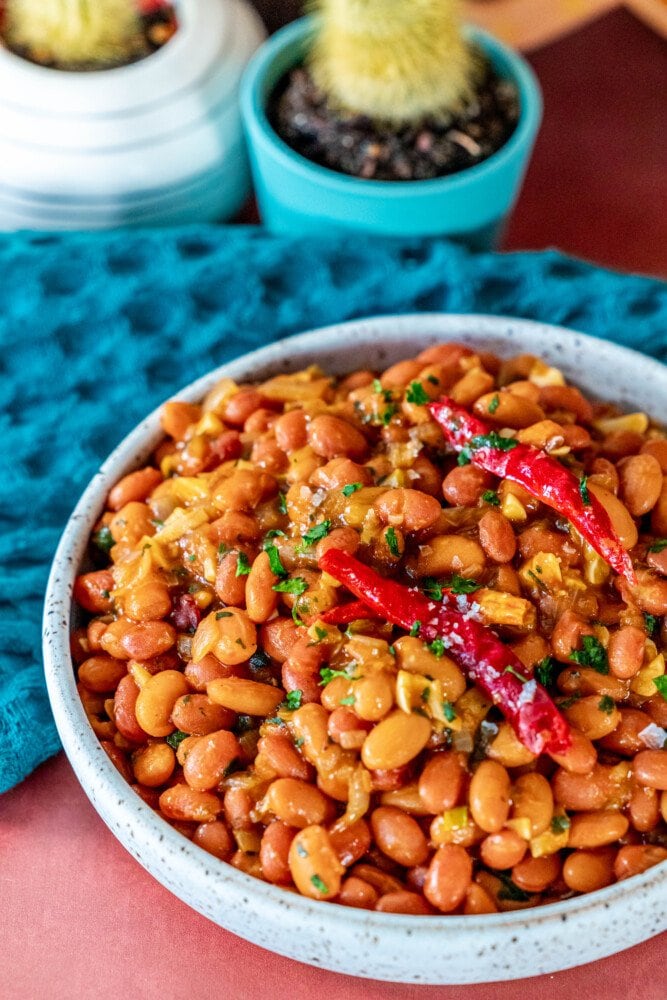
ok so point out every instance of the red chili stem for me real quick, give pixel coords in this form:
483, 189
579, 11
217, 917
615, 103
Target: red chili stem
542, 476
494, 668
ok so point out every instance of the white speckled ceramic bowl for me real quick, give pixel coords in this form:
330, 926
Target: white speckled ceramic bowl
441, 950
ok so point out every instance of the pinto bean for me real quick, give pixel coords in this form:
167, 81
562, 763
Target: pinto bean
464, 485
497, 537
332, 437
410, 510
135, 486
641, 482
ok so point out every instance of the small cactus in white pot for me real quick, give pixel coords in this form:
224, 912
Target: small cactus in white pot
75, 34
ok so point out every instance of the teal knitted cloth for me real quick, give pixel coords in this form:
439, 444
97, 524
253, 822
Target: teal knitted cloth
96, 329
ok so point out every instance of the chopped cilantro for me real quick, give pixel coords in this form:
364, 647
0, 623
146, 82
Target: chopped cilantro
606, 704
433, 380
222, 549
103, 539
569, 702
462, 585
437, 647
544, 671
276, 565
494, 404
297, 586
392, 541
559, 824
415, 627
651, 623
282, 504
293, 699
493, 440
463, 457
176, 738
592, 655
386, 415
299, 742
417, 394
658, 545
490, 496
321, 634
510, 890
316, 533
318, 883
327, 675
347, 701
276, 721
583, 491
351, 488
512, 670
425, 694
432, 588
106, 594
392, 651
192, 557
223, 614
242, 564
661, 685
448, 709
274, 533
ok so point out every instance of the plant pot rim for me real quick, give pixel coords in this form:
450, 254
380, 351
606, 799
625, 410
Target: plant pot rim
179, 6
293, 37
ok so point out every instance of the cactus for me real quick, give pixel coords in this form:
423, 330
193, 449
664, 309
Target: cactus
74, 34
393, 60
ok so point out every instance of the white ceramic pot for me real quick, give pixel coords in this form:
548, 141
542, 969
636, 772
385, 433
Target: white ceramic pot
157, 142
409, 949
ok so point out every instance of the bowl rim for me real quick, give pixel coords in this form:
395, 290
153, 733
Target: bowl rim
293, 36
145, 829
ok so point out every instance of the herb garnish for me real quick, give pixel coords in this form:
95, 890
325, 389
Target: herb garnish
327, 675
316, 533
494, 404
462, 585
510, 890
432, 588
297, 586
347, 701
415, 627
276, 565
493, 440
103, 539
658, 545
293, 699
661, 685
583, 491
318, 883
351, 488
559, 824
282, 504
437, 647
512, 670
651, 623
544, 671
606, 704
242, 564
592, 655
176, 738
417, 394
392, 541
223, 614
448, 710
490, 496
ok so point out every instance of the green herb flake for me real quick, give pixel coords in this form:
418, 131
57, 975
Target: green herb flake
282, 503
223, 614
347, 701
242, 564
103, 539
299, 742
661, 685
351, 488
437, 647
566, 703
327, 674
583, 491
463, 457
651, 623
417, 394
318, 883
192, 557
222, 550
426, 693
316, 533
275, 564
296, 586
433, 380
593, 654
606, 704
658, 545
276, 721
275, 533
559, 824
462, 585
321, 634
515, 673
392, 651
386, 415
494, 404
415, 627
432, 588
448, 709
490, 496
493, 440
293, 699
176, 738
510, 890
106, 594
545, 670
392, 542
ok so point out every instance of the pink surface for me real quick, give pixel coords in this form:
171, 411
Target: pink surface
81, 920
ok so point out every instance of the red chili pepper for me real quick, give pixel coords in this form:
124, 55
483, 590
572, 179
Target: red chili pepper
494, 667
343, 614
539, 474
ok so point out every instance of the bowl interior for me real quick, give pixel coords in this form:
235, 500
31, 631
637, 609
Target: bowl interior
440, 950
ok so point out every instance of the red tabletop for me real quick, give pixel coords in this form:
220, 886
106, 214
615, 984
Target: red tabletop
79, 918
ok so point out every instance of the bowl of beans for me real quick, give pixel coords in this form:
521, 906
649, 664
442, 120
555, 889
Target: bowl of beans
357, 645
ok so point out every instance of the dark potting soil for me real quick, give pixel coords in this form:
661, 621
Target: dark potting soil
354, 144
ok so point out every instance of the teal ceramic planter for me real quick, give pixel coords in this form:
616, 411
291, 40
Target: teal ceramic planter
296, 195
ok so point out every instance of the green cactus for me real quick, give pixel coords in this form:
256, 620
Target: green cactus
393, 60
75, 34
